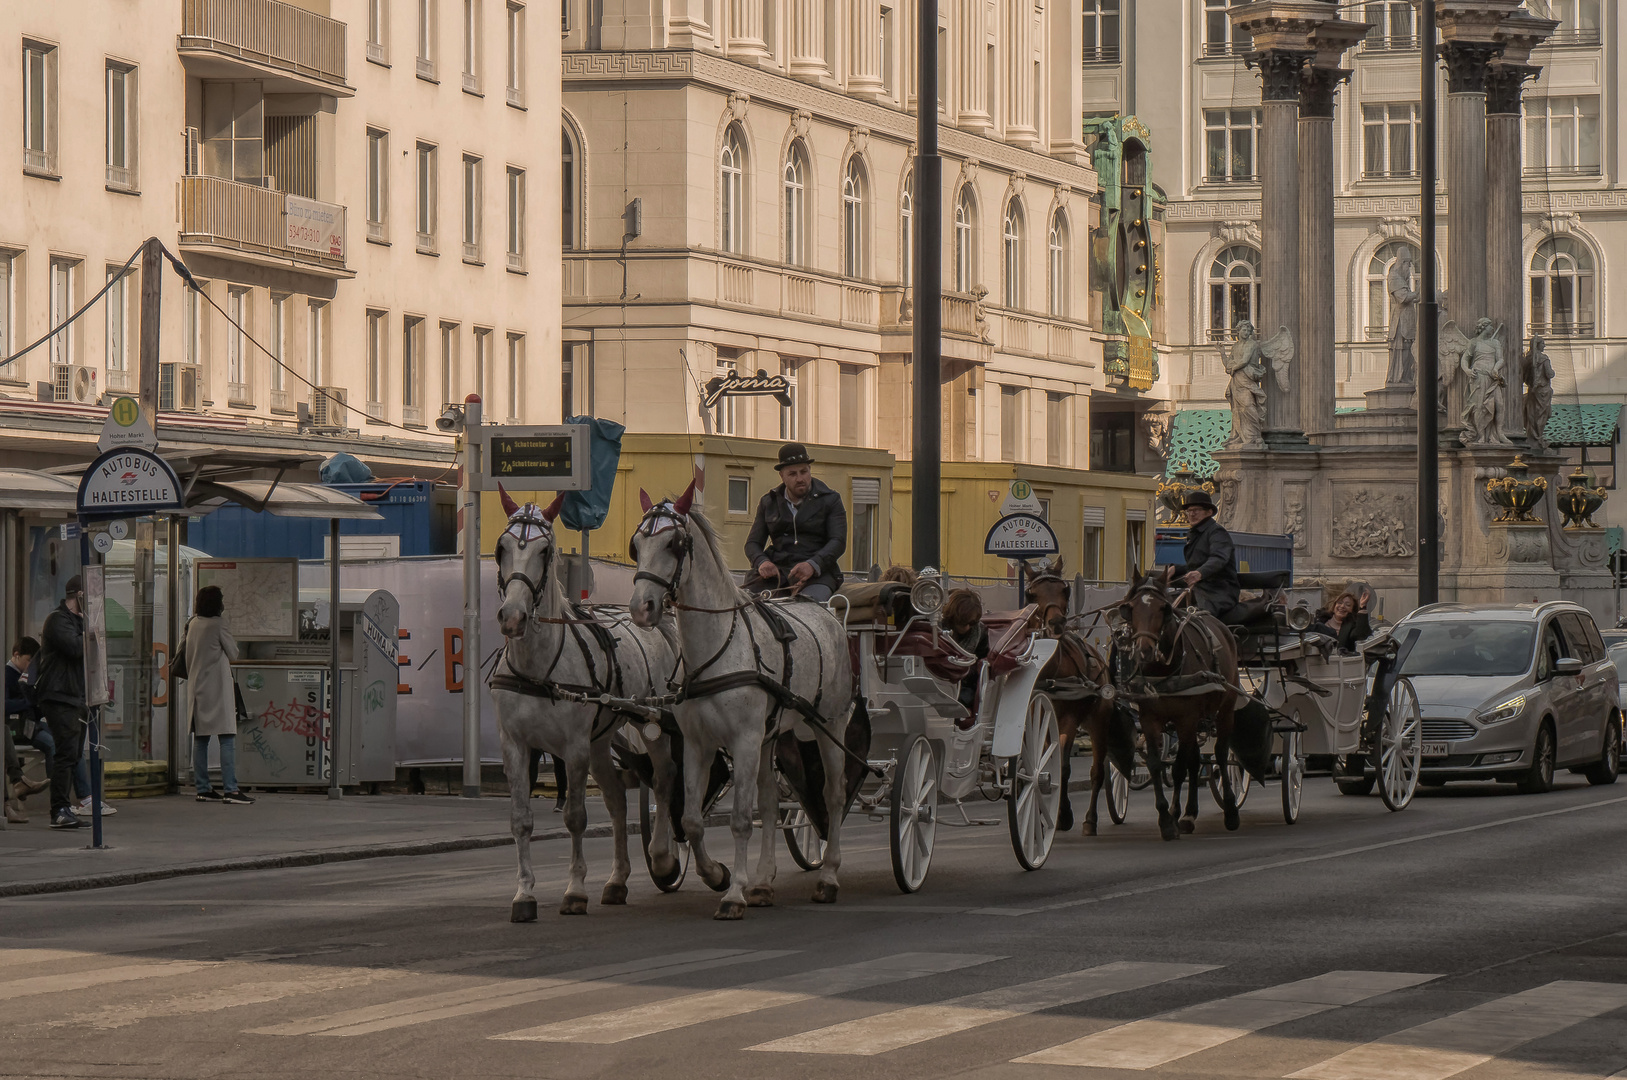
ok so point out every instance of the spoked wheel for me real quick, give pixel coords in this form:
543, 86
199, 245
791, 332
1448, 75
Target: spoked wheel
1293, 776
1118, 794
1399, 759
914, 813
1240, 782
646, 826
1035, 796
807, 847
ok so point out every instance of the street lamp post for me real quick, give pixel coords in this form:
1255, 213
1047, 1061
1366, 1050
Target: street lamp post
1429, 531
926, 446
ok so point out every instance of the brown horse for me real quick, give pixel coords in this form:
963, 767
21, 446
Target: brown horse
1076, 658
1164, 656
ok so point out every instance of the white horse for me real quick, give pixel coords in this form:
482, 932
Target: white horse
552, 657
741, 694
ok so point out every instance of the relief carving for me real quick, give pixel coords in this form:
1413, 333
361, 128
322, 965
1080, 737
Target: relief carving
738, 104
1519, 544
1294, 514
1371, 523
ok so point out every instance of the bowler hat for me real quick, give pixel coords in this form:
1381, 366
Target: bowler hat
793, 453
1198, 498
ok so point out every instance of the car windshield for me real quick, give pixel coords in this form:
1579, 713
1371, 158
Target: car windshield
1468, 648
1613, 638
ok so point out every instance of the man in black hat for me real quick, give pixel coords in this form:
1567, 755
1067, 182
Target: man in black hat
1210, 570
800, 531
59, 694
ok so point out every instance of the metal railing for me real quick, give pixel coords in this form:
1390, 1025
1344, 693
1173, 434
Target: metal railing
267, 32
221, 212
1560, 329
1589, 36
1101, 54
1390, 43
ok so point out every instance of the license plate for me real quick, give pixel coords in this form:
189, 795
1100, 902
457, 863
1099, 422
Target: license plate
1437, 749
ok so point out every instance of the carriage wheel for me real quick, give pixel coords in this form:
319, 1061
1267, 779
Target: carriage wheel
1240, 782
1293, 776
1399, 759
807, 847
914, 812
1118, 794
646, 826
1035, 796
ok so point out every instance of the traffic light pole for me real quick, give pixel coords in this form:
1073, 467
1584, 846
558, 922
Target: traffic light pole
927, 445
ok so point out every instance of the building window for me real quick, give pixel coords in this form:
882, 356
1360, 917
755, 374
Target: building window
850, 404
861, 531
39, 107
888, 78
516, 362
471, 46
114, 304
788, 413
1061, 286
449, 362
1380, 302
426, 39
739, 495
238, 391
906, 229
965, 250
723, 413
1234, 291
1056, 429
796, 214
121, 125
378, 16
317, 348
576, 379
194, 327
473, 206
1112, 441
943, 68
853, 223
1230, 136
378, 184
1135, 538
1090, 548
516, 218
1012, 232
1392, 25
1600, 461
428, 196
568, 232
1562, 136
64, 279
277, 345
8, 307
1578, 22
1562, 290
1219, 38
516, 55
731, 191
412, 371
234, 131
1101, 31
1011, 423
483, 359
375, 360
1390, 139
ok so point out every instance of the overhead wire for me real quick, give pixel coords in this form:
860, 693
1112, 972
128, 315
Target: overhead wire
112, 280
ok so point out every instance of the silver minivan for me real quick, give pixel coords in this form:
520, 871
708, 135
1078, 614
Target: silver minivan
1511, 691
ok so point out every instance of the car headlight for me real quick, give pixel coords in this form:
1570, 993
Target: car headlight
1503, 712
927, 594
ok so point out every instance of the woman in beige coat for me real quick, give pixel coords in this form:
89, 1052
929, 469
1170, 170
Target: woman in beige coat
210, 651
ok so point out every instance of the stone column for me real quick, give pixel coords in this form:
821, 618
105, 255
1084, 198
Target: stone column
745, 41
1505, 262
1318, 381
864, 68
1279, 228
807, 40
1018, 51
1467, 65
972, 111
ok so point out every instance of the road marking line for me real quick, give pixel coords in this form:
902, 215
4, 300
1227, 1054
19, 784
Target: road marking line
485, 997
1145, 1044
1446, 1047
689, 1009
84, 980
886, 1031
227, 997
17, 957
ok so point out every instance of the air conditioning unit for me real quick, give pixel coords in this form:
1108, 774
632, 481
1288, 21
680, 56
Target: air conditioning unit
328, 408
75, 384
178, 387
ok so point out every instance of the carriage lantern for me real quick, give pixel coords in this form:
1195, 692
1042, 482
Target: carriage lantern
927, 594
1517, 493
1173, 492
1580, 500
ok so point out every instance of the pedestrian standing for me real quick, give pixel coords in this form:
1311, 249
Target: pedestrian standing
210, 650
59, 695
23, 726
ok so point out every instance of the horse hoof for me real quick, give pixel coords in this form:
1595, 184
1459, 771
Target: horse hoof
760, 896
1090, 828
1169, 832
721, 884
824, 892
522, 911
1188, 824
1232, 821
666, 879
574, 905
614, 895
1064, 820
729, 911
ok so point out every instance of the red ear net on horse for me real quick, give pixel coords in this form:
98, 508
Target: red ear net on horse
644, 499
510, 507
681, 507
552, 510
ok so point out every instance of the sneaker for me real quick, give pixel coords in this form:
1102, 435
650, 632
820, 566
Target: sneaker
209, 796
237, 798
65, 820
82, 809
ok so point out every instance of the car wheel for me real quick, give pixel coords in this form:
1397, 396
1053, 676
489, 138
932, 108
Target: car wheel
1608, 767
1540, 776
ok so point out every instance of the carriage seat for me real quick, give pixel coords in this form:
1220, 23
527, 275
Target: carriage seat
1268, 580
1252, 616
877, 602
1008, 633
943, 658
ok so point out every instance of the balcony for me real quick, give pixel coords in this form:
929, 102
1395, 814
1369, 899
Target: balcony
255, 224
288, 48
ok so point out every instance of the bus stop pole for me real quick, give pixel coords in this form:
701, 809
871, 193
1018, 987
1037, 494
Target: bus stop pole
335, 790
471, 597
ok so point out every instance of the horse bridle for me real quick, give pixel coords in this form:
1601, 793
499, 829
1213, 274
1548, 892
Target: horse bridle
1170, 627
684, 549
529, 517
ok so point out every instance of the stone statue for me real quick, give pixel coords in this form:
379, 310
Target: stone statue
980, 312
1159, 430
1538, 372
1246, 364
1403, 323
1482, 362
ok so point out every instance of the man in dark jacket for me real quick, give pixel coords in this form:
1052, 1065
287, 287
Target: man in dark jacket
59, 694
1210, 570
800, 531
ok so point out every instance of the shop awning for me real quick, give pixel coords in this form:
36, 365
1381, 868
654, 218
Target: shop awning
1584, 425
1193, 435
25, 489
283, 498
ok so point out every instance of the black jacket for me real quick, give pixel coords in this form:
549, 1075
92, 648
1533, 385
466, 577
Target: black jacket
61, 676
18, 701
1208, 550
816, 533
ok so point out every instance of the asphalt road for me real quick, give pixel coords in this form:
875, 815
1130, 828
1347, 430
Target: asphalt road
1479, 934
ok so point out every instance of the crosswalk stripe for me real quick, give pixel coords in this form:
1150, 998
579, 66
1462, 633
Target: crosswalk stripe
228, 997
688, 1009
84, 980
1446, 1047
17, 957
886, 1031
486, 997
1157, 1040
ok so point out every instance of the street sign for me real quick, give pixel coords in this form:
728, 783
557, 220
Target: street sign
1020, 499
128, 482
733, 384
542, 458
126, 425
1021, 536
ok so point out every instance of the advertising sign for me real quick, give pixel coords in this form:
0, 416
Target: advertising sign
315, 226
1021, 536
128, 482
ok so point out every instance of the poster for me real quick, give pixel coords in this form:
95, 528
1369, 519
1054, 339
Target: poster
93, 607
261, 595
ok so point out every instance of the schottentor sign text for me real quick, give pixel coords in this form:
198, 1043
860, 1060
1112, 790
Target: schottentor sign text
128, 482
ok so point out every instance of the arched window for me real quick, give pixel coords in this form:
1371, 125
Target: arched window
1380, 304
1059, 251
965, 251
569, 213
796, 205
1562, 289
731, 168
1234, 291
906, 229
853, 234
1013, 246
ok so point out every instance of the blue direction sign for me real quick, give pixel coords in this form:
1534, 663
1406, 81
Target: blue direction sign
1021, 536
128, 482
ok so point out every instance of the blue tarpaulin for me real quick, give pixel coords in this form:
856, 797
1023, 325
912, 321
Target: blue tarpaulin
588, 509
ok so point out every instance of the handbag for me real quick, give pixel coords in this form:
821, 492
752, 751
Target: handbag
243, 716
177, 664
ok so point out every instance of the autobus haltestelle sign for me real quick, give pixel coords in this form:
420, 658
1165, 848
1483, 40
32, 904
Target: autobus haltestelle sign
128, 482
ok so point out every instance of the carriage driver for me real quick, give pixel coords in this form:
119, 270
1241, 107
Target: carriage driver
1210, 570
800, 531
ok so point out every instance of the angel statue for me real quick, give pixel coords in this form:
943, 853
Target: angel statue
1246, 364
1481, 360
1538, 372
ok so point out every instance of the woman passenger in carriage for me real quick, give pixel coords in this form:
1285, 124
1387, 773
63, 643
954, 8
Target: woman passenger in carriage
1346, 622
